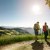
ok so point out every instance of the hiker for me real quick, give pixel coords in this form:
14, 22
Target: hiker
36, 30
45, 30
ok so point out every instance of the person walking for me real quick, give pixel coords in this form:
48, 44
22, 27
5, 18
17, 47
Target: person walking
36, 29
45, 30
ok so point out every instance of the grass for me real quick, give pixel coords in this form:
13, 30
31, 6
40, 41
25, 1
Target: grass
7, 39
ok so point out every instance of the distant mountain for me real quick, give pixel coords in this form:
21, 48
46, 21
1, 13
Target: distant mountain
19, 29
30, 30
2, 28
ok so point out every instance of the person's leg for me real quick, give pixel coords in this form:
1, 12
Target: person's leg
46, 36
36, 35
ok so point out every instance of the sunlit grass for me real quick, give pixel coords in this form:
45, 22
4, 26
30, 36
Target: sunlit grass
8, 39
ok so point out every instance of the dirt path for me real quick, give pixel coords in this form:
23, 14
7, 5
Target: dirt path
17, 45
46, 47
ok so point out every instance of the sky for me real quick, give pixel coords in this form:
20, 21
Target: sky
24, 13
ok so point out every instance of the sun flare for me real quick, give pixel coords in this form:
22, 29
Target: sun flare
36, 9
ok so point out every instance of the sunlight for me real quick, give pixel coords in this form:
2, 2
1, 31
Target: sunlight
36, 9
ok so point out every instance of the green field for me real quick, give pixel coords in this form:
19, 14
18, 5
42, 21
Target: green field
8, 39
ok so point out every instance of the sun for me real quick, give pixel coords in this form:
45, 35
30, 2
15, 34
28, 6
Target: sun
36, 9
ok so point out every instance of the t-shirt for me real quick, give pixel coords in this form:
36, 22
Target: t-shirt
45, 28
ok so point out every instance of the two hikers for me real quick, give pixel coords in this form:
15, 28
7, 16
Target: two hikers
37, 28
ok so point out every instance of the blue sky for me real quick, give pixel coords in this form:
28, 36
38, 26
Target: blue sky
19, 13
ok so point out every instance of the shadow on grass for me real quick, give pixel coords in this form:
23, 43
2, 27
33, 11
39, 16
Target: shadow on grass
37, 45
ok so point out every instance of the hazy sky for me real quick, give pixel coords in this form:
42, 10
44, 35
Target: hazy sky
20, 13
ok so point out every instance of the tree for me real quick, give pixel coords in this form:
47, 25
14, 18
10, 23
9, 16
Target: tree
48, 2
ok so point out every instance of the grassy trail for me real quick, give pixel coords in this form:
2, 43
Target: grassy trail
16, 45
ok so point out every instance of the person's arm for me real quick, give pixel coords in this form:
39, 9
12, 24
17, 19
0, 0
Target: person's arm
48, 29
38, 27
34, 27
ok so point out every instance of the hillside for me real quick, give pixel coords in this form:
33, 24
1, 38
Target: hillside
6, 30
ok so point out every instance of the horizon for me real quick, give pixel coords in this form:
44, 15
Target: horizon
24, 13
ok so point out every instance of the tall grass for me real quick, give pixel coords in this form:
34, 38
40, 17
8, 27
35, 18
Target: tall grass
7, 39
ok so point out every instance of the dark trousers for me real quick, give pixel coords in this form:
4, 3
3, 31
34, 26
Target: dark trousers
36, 32
46, 34
36, 35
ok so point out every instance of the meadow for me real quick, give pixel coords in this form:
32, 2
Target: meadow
9, 39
